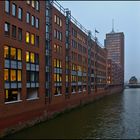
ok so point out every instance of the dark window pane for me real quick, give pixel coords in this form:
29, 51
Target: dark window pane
13, 31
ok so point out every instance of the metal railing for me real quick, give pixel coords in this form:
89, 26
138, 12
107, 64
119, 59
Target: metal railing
63, 10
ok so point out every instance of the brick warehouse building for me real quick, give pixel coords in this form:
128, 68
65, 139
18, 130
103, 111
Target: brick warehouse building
48, 62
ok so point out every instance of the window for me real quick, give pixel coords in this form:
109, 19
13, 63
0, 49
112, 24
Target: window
28, 17
19, 76
14, 8
32, 39
6, 75
7, 28
12, 75
12, 95
20, 13
13, 31
19, 34
37, 5
27, 37
28, 1
37, 23
6, 52
13, 53
18, 54
7, 6
32, 57
27, 57
33, 3
33, 21
55, 18
37, 41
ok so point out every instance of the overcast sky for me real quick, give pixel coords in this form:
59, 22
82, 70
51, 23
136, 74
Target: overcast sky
99, 15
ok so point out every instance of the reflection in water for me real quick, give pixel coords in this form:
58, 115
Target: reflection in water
115, 116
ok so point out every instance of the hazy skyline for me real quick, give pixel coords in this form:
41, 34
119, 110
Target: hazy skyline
99, 15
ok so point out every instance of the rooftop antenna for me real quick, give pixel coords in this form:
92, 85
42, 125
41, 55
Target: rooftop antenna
112, 25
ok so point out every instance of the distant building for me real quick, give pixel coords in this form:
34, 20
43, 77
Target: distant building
133, 80
114, 44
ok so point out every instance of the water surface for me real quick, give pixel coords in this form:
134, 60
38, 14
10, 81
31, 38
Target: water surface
115, 116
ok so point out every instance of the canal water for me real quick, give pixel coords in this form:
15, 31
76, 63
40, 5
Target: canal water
115, 116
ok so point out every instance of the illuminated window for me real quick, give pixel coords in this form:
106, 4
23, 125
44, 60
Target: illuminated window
58, 20
55, 47
6, 75
6, 52
54, 78
32, 57
60, 23
32, 39
13, 53
27, 57
13, 75
28, 2
54, 63
19, 75
27, 37
33, 3
57, 63
57, 77
66, 78
55, 18
19, 54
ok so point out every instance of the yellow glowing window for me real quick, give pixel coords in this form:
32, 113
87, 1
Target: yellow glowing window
57, 63
27, 57
32, 39
19, 54
13, 53
57, 77
6, 75
54, 77
27, 37
19, 75
66, 78
6, 51
55, 18
32, 58
6, 94
54, 47
13, 75
54, 63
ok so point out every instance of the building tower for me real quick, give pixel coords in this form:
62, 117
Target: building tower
114, 44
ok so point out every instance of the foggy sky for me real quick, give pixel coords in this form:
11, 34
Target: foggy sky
99, 15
